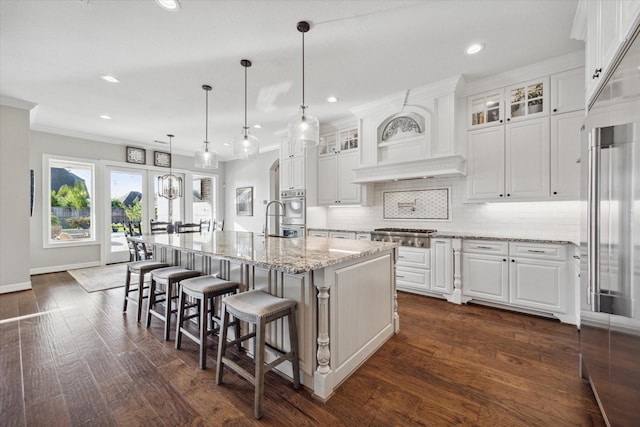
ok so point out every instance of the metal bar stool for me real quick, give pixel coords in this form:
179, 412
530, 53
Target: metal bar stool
167, 277
204, 290
259, 308
140, 268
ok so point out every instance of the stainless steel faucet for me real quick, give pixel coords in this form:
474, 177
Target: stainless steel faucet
266, 215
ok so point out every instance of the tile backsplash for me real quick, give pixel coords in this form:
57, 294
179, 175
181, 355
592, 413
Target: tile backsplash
543, 220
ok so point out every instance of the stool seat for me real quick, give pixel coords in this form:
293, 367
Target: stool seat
167, 277
175, 274
140, 268
259, 308
204, 290
207, 285
252, 305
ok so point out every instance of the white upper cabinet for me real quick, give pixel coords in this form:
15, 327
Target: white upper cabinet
292, 173
335, 179
486, 109
289, 149
485, 154
565, 155
527, 159
567, 91
527, 100
609, 23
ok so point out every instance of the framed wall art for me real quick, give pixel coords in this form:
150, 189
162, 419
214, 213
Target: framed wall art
162, 158
136, 155
244, 201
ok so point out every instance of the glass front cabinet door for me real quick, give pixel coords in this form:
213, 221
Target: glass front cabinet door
527, 100
486, 109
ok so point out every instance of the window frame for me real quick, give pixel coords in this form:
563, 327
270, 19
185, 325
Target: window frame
49, 161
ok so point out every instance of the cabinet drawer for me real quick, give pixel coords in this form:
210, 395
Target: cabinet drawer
363, 236
485, 247
342, 235
319, 233
414, 257
414, 278
537, 250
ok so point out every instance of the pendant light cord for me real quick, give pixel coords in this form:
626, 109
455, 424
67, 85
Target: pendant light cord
303, 105
206, 118
245, 101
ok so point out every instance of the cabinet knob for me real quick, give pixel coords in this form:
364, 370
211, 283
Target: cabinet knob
504, 259
555, 110
508, 119
555, 192
501, 195
508, 195
513, 260
500, 120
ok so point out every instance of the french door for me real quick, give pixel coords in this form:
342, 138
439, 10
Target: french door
127, 189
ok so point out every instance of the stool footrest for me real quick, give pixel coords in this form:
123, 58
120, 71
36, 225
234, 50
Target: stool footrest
239, 370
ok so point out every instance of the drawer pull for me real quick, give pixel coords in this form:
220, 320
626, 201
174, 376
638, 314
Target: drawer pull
401, 256
399, 277
533, 251
484, 247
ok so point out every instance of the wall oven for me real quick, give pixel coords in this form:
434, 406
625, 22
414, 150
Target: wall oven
295, 207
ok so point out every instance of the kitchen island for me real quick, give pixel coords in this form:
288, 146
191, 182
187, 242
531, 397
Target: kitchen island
345, 289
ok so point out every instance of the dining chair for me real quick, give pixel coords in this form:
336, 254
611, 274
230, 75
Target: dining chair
188, 227
205, 225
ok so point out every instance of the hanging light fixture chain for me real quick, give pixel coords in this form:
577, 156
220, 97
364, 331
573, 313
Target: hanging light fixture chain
245, 99
303, 104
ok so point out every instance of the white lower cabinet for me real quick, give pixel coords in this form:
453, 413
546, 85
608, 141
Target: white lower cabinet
442, 265
413, 269
485, 277
318, 233
523, 275
350, 235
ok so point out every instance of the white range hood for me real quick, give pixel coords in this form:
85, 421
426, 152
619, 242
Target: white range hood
442, 166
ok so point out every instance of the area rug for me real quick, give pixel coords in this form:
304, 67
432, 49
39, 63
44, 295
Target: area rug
95, 279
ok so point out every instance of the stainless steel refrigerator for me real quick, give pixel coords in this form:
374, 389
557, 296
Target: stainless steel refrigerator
610, 247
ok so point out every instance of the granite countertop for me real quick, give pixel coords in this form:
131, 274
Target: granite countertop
340, 230
290, 255
470, 236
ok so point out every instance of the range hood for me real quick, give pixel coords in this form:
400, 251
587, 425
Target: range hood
414, 169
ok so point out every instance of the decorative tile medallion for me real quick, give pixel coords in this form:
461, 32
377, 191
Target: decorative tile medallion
430, 204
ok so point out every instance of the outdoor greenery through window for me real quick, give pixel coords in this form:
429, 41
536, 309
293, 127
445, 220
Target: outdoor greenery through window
71, 190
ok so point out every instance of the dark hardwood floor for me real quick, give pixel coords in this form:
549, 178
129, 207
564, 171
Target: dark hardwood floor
85, 363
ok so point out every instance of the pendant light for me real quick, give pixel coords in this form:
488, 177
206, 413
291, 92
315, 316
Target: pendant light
246, 146
303, 128
169, 185
206, 158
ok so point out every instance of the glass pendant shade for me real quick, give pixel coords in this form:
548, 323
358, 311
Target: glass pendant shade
206, 158
246, 145
304, 129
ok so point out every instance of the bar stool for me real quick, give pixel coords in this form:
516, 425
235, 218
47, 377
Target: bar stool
203, 289
140, 268
167, 277
259, 308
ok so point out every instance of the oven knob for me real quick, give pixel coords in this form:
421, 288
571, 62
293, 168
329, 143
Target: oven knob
409, 243
419, 243
401, 242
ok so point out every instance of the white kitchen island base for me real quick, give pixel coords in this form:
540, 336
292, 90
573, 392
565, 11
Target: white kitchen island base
346, 293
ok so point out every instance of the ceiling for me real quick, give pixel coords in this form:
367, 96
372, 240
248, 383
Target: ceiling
52, 53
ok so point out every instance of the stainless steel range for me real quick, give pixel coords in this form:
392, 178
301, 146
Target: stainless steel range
419, 238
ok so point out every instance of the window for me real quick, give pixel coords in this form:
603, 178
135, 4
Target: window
70, 198
203, 198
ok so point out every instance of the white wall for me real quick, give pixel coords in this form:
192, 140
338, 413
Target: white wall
535, 220
14, 199
56, 259
249, 173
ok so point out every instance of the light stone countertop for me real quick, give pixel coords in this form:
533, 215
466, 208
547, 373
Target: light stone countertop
470, 236
339, 230
290, 255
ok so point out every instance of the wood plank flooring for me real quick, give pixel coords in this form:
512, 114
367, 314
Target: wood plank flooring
85, 363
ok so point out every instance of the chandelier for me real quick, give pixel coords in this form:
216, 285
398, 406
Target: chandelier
169, 185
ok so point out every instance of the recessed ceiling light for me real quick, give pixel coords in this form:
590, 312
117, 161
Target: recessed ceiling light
110, 79
257, 126
475, 48
332, 99
226, 144
104, 116
171, 5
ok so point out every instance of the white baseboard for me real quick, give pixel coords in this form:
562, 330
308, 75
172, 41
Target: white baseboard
57, 268
14, 287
